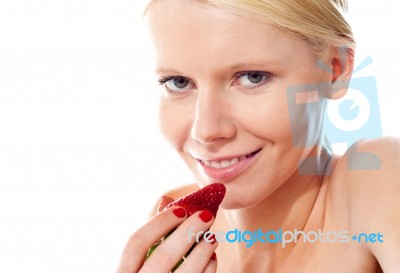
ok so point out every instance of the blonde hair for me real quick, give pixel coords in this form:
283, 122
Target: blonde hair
319, 22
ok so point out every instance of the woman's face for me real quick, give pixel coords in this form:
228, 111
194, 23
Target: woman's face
224, 106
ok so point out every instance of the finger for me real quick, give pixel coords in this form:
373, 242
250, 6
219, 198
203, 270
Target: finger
199, 258
137, 246
178, 243
212, 265
165, 200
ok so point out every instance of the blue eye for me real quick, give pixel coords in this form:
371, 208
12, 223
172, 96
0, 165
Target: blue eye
177, 84
251, 78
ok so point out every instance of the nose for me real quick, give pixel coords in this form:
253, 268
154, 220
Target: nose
212, 120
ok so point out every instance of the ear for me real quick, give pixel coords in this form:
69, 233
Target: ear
341, 63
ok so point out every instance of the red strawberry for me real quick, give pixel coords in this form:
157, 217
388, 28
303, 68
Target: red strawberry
207, 198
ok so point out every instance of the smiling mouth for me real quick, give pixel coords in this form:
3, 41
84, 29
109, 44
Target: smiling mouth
220, 164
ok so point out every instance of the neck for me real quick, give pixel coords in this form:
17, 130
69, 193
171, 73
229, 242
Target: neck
293, 206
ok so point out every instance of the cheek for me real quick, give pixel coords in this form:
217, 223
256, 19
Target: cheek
276, 119
174, 123
266, 117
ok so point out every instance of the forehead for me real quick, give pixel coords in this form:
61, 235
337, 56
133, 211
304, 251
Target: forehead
194, 35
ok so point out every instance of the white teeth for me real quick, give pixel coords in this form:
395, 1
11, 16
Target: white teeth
234, 161
208, 163
215, 164
223, 163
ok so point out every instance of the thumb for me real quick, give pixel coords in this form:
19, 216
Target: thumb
165, 200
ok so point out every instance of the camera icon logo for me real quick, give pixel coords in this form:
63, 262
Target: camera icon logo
353, 117
356, 115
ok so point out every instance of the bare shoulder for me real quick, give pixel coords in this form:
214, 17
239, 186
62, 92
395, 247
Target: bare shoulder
175, 193
368, 180
370, 165
368, 175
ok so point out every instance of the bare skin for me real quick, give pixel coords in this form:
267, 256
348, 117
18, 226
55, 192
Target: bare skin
224, 79
345, 200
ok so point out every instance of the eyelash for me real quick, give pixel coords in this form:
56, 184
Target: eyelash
236, 77
163, 80
265, 74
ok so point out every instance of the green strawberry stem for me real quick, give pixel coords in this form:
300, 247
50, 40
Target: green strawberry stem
153, 247
177, 265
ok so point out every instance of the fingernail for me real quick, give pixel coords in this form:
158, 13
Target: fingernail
205, 216
161, 204
179, 212
213, 256
212, 239
162, 199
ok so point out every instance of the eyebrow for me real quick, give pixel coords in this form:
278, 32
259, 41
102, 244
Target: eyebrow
244, 65
166, 70
234, 67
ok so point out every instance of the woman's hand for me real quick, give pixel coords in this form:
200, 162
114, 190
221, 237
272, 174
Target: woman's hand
171, 250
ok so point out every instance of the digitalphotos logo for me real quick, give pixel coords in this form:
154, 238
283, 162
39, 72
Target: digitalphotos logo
249, 238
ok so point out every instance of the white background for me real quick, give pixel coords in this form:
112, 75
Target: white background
81, 160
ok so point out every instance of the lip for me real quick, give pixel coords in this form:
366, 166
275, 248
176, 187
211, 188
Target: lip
229, 172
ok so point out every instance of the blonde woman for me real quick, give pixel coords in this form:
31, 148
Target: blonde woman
225, 68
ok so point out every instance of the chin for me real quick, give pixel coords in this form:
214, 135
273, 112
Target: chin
238, 198
232, 203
